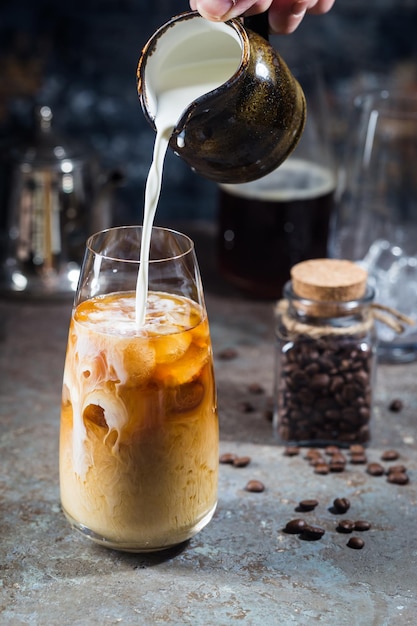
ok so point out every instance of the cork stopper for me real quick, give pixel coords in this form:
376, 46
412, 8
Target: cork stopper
329, 280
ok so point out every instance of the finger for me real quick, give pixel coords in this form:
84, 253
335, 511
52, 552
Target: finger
286, 16
321, 6
226, 9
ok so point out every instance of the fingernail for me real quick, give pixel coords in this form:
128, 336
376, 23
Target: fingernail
217, 10
232, 5
299, 8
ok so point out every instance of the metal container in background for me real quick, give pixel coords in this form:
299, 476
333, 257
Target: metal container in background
57, 197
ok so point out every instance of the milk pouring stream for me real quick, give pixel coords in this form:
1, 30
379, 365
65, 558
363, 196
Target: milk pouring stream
177, 91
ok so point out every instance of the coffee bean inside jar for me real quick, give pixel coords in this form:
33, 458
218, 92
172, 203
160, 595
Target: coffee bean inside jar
326, 347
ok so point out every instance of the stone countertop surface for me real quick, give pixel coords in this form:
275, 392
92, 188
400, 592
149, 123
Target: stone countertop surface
242, 568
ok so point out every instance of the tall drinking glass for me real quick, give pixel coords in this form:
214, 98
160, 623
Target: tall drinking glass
139, 427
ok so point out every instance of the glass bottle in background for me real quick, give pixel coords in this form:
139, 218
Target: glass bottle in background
268, 225
376, 217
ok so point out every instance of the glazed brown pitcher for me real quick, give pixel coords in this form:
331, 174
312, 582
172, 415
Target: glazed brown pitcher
240, 130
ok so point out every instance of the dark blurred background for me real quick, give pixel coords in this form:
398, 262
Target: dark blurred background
80, 58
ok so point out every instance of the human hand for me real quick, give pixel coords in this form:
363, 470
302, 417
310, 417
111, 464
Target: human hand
284, 15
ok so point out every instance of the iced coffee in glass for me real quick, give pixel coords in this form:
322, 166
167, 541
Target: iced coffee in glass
139, 427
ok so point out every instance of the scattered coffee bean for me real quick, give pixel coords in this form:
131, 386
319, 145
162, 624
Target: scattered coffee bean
241, 461
227, 354
396, 405
398, 478
358, 459
335, 466
317, 460
307, 505
375, 469
246, 407
256, 389
295, 526
313, 453
390, 455
332, 450
345, 526
339, 457
312, 533
322, 468
341, 505
397, 469
362, 525
356, 543
356, 449
291, 451
227, 457
255, 486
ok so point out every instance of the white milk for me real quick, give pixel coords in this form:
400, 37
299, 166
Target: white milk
182, 86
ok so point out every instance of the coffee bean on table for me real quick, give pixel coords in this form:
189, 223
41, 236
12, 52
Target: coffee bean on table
341, 505
338, 457
390, 455
241, 461
321, 468
345, 526
256, 389
397, 469
227, 457
312, 533
362, 525
246, 407
398, 478
336, 466
317, 460
356, 543
307, 505
291, 451
332, 450
227, 354
255, 486
375, 469
396, 405
312, 453
295, 526
357, 449
358, 459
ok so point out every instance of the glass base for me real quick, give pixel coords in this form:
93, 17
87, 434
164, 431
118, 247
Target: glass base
146, 547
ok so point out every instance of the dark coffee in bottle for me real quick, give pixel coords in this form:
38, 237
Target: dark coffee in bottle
269, 225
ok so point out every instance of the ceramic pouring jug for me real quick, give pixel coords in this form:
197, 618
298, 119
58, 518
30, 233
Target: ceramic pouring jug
241, 130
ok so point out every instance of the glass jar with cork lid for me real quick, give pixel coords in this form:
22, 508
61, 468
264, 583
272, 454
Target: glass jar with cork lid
325, 355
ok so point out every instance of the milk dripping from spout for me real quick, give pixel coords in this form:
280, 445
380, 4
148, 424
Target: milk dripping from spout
173, 91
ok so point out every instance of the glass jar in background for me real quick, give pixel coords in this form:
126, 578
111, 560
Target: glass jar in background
376, 215
268, 225
325, 355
